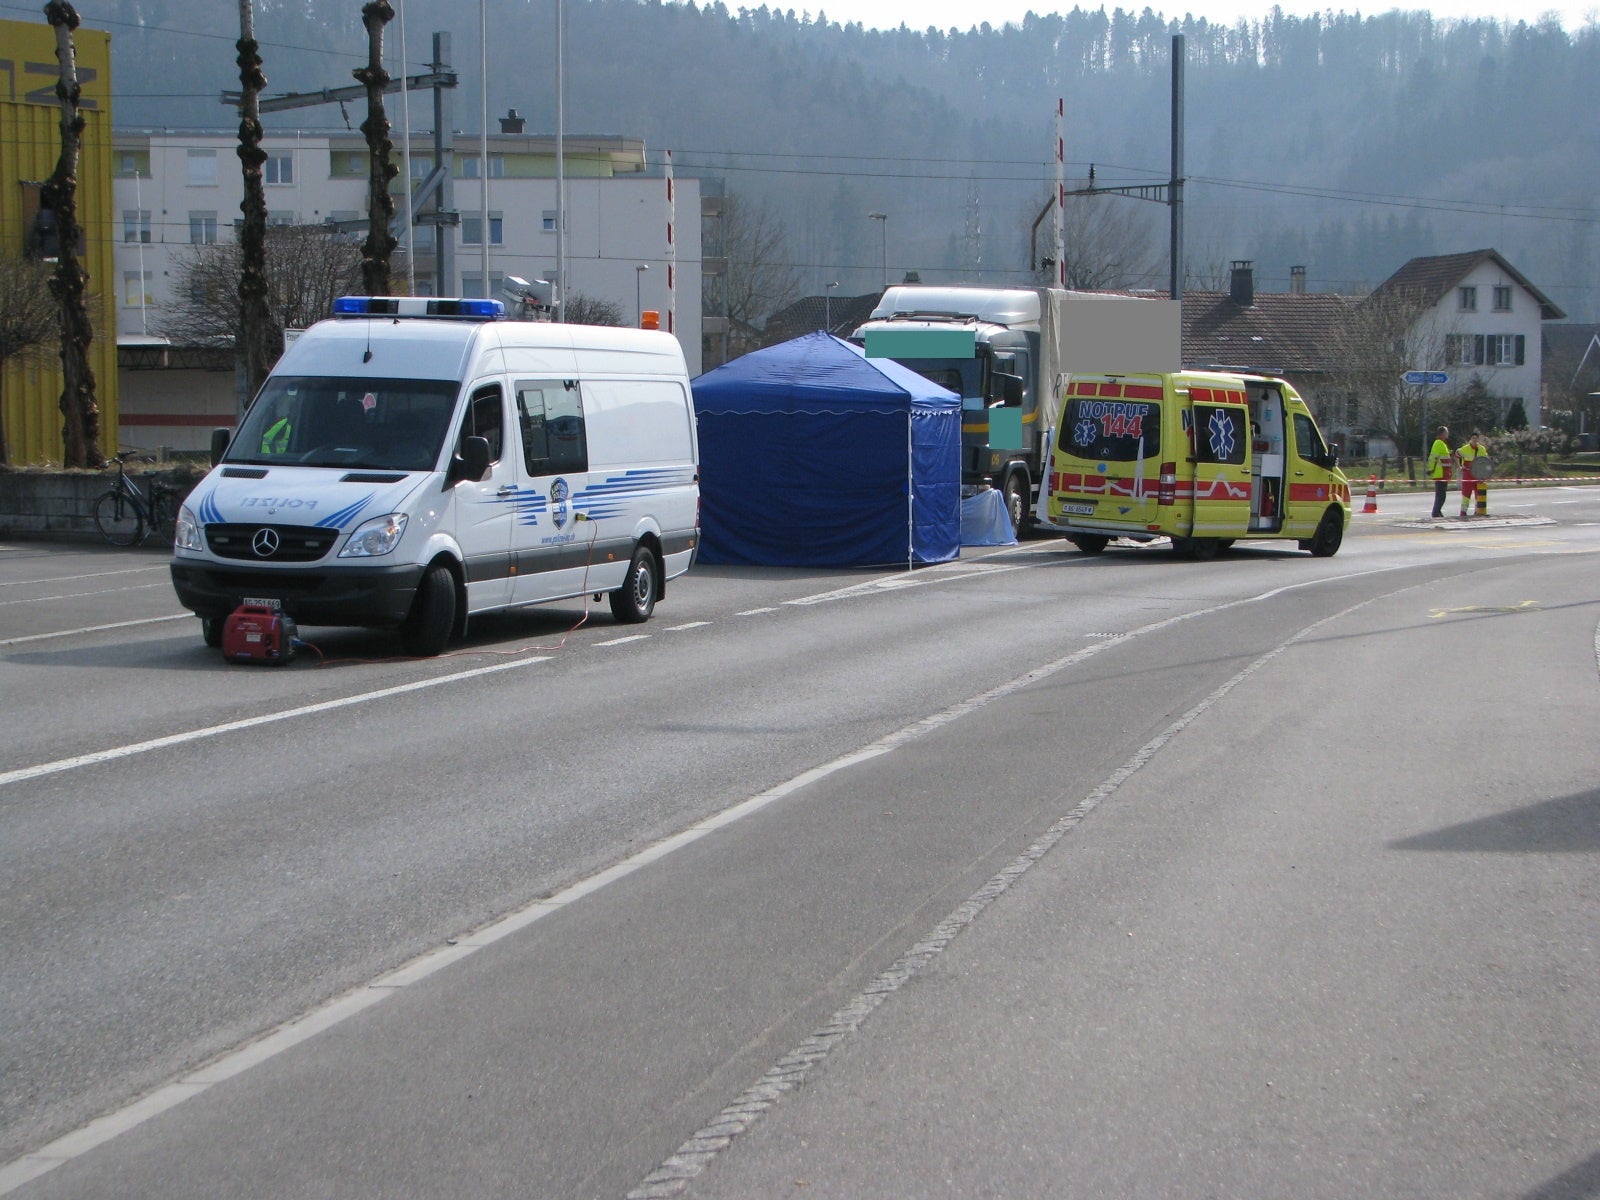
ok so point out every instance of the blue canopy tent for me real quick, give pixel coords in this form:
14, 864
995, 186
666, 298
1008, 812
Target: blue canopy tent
813, 455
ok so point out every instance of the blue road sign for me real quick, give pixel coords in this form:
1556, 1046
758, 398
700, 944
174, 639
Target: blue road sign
1425, 377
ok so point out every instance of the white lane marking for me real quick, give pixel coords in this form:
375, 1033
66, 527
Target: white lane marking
42, 637
623, 641
754, 612
291, 1033
194, 735
75, 578
138, 587
687, 625
889, 583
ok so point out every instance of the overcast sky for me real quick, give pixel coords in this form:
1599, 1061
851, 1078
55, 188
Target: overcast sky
960, 14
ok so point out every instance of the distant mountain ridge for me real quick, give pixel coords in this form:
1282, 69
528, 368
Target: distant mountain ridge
1342, 143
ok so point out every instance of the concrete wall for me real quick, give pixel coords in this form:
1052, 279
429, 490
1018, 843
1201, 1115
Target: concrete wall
60, 504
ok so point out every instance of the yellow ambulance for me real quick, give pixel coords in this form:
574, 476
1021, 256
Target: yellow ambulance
1201, 457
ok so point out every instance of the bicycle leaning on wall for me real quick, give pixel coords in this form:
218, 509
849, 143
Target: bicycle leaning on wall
124, 516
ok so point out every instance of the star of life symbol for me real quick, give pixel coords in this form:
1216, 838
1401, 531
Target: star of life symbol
1221, 435
1083, 432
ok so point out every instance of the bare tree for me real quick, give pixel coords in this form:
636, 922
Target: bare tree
27, 318
587, 310
1108, 242
308, 268
80, 430
262, 338
761, 277
380, 243
1376, 343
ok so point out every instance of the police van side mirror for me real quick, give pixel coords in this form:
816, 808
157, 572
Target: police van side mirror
219, 444
472, 463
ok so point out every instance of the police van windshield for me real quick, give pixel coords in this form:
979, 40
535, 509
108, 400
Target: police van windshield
317, 421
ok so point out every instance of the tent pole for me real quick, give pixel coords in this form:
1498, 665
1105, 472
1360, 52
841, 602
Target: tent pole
911, 498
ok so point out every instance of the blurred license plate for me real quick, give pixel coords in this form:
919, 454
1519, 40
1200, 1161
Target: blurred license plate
1078, 510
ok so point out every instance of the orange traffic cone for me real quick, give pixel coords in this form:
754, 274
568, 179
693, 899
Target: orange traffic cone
1372, 495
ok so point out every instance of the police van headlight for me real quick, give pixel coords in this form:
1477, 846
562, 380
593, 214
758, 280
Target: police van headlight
186, 533
377, 536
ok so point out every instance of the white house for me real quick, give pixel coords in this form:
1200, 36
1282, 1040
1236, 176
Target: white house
1482, 322
173, 190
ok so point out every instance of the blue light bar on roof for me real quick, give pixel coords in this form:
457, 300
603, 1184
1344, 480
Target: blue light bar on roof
418, 306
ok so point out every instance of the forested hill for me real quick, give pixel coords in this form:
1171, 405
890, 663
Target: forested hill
1344, 143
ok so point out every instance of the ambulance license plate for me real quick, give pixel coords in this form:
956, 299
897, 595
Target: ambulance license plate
1078, 510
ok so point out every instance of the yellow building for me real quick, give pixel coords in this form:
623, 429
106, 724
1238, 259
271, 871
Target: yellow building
30, 144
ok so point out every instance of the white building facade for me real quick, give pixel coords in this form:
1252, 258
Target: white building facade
627, 233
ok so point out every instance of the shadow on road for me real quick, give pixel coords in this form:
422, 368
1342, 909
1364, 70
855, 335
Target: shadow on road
1567, 824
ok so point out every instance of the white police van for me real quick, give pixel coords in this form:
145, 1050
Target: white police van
413, 461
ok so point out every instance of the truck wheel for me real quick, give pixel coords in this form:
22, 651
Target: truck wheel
211, 631
1329, 537
1090, 543
427, 627
635, 600
1017, 502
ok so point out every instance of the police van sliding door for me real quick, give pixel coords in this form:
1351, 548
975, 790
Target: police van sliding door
555, 552
1217, 422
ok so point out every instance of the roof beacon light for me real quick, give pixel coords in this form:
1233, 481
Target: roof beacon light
419, 306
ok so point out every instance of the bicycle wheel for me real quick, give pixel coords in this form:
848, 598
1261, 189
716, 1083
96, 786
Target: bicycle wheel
119, 519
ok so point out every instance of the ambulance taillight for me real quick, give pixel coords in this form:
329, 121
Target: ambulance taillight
1167, 485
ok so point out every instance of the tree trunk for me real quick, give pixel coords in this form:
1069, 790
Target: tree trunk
260, 338
80, 430
380, 243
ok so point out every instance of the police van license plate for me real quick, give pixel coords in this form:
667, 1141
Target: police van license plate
1078, 510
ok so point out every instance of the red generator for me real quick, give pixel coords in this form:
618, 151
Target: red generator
258, 632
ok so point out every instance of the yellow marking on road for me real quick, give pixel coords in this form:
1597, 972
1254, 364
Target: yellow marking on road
1525, 606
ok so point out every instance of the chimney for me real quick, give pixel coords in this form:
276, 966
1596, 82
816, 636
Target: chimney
1242, 289
511, 122
1297, 281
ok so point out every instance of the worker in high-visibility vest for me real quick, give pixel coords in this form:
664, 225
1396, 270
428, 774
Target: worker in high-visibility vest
1440, 462
276, 439
1468, 454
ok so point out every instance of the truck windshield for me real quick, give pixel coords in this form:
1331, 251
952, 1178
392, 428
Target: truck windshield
317, 421
963, 376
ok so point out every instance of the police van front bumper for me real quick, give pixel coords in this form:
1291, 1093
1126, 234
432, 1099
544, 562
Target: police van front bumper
379, 597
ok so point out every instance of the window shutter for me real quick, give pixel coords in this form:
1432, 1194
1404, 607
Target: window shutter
1522, 349
1478, 350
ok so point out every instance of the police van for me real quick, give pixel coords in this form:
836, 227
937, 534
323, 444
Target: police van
1201, 457
414, 461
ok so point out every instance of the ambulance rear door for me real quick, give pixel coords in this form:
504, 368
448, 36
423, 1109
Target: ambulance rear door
1217, 426
1110, 454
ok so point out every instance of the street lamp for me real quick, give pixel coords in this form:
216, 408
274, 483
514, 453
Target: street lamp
638, 291
827, 306
883, 218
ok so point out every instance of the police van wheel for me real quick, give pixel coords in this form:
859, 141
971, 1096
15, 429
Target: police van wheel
427, 628
635, 600
1090, 543
1329, 537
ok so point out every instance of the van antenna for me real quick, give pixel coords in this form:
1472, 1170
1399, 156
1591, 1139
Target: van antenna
366, 357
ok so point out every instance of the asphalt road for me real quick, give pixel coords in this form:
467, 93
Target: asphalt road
1032, 874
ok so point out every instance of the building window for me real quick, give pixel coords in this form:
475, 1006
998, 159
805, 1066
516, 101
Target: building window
1469, 299
472, 230
548, 221
1502, 349
202, 228
136, 289
469, 166
280, 217
136, 225
472, 285
202, 168
1502, 298
279, 168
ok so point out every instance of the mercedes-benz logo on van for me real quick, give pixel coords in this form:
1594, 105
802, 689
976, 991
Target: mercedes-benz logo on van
265, 543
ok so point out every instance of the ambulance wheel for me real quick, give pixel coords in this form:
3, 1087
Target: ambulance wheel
635, 600
211, 631
1329, 537
1090, 543
1204, 549
427, 627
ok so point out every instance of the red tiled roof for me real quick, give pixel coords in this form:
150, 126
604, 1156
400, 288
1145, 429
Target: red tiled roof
1288, 332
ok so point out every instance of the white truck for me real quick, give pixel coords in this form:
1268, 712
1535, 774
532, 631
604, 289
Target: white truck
414, 461
1007, 353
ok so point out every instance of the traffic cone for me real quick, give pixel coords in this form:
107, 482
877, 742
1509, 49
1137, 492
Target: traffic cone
1372, 495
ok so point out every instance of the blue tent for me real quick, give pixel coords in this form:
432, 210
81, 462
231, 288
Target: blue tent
813, 455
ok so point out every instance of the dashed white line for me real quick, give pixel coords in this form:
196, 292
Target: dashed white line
623, 641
